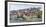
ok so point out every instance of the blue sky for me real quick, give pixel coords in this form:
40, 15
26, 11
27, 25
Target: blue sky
20, 6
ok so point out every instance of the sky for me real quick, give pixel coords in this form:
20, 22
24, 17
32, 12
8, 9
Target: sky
21, 6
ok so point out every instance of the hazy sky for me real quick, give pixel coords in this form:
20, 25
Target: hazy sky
21, 6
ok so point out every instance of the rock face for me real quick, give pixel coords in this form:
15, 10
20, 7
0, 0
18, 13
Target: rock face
24, 15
